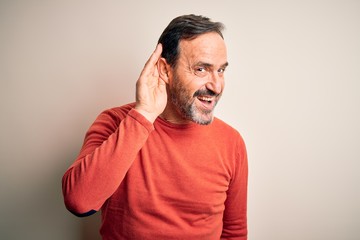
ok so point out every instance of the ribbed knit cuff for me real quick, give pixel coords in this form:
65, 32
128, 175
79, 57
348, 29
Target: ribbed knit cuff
141, 119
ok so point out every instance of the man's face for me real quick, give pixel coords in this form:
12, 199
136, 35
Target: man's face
198, 77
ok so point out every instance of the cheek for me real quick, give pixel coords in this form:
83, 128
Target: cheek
187, 84
197, 84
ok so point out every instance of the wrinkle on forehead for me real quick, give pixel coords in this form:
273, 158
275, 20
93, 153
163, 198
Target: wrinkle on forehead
208, 48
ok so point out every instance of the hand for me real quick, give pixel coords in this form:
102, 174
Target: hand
151, 97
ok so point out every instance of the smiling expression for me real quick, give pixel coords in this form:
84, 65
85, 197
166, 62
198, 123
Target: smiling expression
197, 80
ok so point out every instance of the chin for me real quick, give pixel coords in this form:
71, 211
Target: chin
199, 116
203, 120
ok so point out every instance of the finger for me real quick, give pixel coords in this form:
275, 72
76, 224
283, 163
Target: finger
151, 62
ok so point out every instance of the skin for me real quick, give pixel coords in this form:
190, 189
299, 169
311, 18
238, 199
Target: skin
189, 91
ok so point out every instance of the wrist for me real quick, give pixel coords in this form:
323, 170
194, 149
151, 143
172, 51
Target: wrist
151, 117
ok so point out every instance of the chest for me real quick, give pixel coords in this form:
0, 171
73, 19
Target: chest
189, 177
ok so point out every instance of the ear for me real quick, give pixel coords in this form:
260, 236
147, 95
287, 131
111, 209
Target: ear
164, 70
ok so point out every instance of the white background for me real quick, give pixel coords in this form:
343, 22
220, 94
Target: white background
292, 90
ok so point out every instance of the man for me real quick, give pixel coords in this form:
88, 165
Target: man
164, 167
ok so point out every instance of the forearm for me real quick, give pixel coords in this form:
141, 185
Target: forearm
101, 167
235, 227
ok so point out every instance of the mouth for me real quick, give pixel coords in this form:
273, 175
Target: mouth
207, 102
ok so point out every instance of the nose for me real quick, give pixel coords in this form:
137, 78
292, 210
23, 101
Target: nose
215, 82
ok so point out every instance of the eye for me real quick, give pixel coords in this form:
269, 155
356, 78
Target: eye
200, 71
221, 70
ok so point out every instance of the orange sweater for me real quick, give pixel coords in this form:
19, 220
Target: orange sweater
161, 180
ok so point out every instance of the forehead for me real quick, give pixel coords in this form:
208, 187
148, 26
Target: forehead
209, 48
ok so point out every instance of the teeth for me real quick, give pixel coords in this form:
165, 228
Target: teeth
205, 98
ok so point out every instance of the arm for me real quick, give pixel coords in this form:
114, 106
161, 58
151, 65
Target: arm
109, 149
235, 214
111, 145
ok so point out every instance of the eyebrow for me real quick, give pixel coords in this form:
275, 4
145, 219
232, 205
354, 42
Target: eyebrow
200, 63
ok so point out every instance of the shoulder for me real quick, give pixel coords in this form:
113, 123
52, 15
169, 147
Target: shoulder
228, 132
230, 143
224, 128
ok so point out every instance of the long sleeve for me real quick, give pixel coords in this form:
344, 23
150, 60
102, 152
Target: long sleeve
235, 214
110, 147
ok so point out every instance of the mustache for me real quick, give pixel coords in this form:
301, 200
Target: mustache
206, 92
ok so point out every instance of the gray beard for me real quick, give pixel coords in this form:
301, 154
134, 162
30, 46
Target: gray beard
186, 106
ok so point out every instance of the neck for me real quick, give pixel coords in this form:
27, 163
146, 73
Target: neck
172, 115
